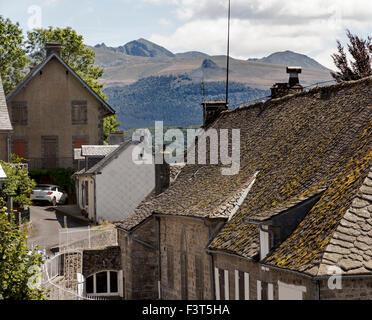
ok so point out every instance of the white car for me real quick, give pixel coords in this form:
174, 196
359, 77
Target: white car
49, 193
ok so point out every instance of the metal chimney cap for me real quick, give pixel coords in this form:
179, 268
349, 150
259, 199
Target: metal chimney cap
294, 69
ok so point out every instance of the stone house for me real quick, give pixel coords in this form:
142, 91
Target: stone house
5, 126
54, 111
294, 223
110, 185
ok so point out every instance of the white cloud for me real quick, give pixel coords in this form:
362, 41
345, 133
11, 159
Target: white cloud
165, 22
262, 27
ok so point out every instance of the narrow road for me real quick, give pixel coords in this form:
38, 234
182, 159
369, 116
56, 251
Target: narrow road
46, 224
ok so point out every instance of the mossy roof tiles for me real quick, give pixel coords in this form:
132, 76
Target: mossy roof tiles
301, 144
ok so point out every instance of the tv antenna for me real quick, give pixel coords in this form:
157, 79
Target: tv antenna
228, 53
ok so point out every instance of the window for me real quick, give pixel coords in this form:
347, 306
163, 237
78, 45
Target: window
79, 112
199, 277
104, 283
241, 285
222, 284
290, 292
89, 285
20, 148
101, 282
170, 267
19, 113
113, 281
265, 291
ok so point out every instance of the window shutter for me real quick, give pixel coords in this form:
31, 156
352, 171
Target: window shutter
199, 275
19, 148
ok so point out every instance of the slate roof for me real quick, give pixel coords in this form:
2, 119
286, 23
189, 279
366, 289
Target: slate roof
5, 124
109, 153
97, 150
77, 154
40, 66
301, 144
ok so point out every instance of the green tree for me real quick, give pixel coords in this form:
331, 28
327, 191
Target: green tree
110, 125
79, 57
19, 267
19, 184
13, 59
360, 65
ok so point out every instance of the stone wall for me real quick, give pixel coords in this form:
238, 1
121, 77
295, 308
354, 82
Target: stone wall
101, 260
187, 240
140, 262
352, 289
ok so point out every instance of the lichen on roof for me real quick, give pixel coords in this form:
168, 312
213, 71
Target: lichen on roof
300, 144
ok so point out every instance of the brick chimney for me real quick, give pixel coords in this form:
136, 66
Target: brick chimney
53, 47
293, 86
293, 75
162, 173
116, 138
211, 111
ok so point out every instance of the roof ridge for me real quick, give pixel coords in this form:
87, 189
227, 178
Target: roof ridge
344, 84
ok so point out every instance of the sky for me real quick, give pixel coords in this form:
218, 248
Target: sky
258, 28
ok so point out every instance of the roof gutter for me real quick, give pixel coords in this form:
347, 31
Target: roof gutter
316, 278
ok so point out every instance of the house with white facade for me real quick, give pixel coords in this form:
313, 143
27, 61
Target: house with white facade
110, 185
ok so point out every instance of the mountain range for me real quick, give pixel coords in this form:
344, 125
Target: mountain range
141, 58
146, 82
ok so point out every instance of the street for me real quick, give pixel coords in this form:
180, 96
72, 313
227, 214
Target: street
46, 225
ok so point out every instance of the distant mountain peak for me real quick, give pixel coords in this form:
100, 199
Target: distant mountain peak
100, 45
209, 64
145, 48
291, 58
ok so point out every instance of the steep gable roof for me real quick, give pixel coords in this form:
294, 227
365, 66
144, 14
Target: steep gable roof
302, 145
5, 124
108, 152
99, 150
39, 67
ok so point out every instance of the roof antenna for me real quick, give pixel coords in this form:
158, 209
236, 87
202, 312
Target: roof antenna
228, 54
203, 87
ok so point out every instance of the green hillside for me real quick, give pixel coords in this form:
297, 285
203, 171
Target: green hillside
176, 100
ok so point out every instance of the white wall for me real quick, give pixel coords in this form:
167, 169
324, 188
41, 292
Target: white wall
122, 186
81, 183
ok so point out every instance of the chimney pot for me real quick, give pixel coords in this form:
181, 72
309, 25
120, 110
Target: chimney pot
162, 174
293, 86
293, 75
53, 47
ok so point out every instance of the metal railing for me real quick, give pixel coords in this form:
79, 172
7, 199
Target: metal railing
87, 238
